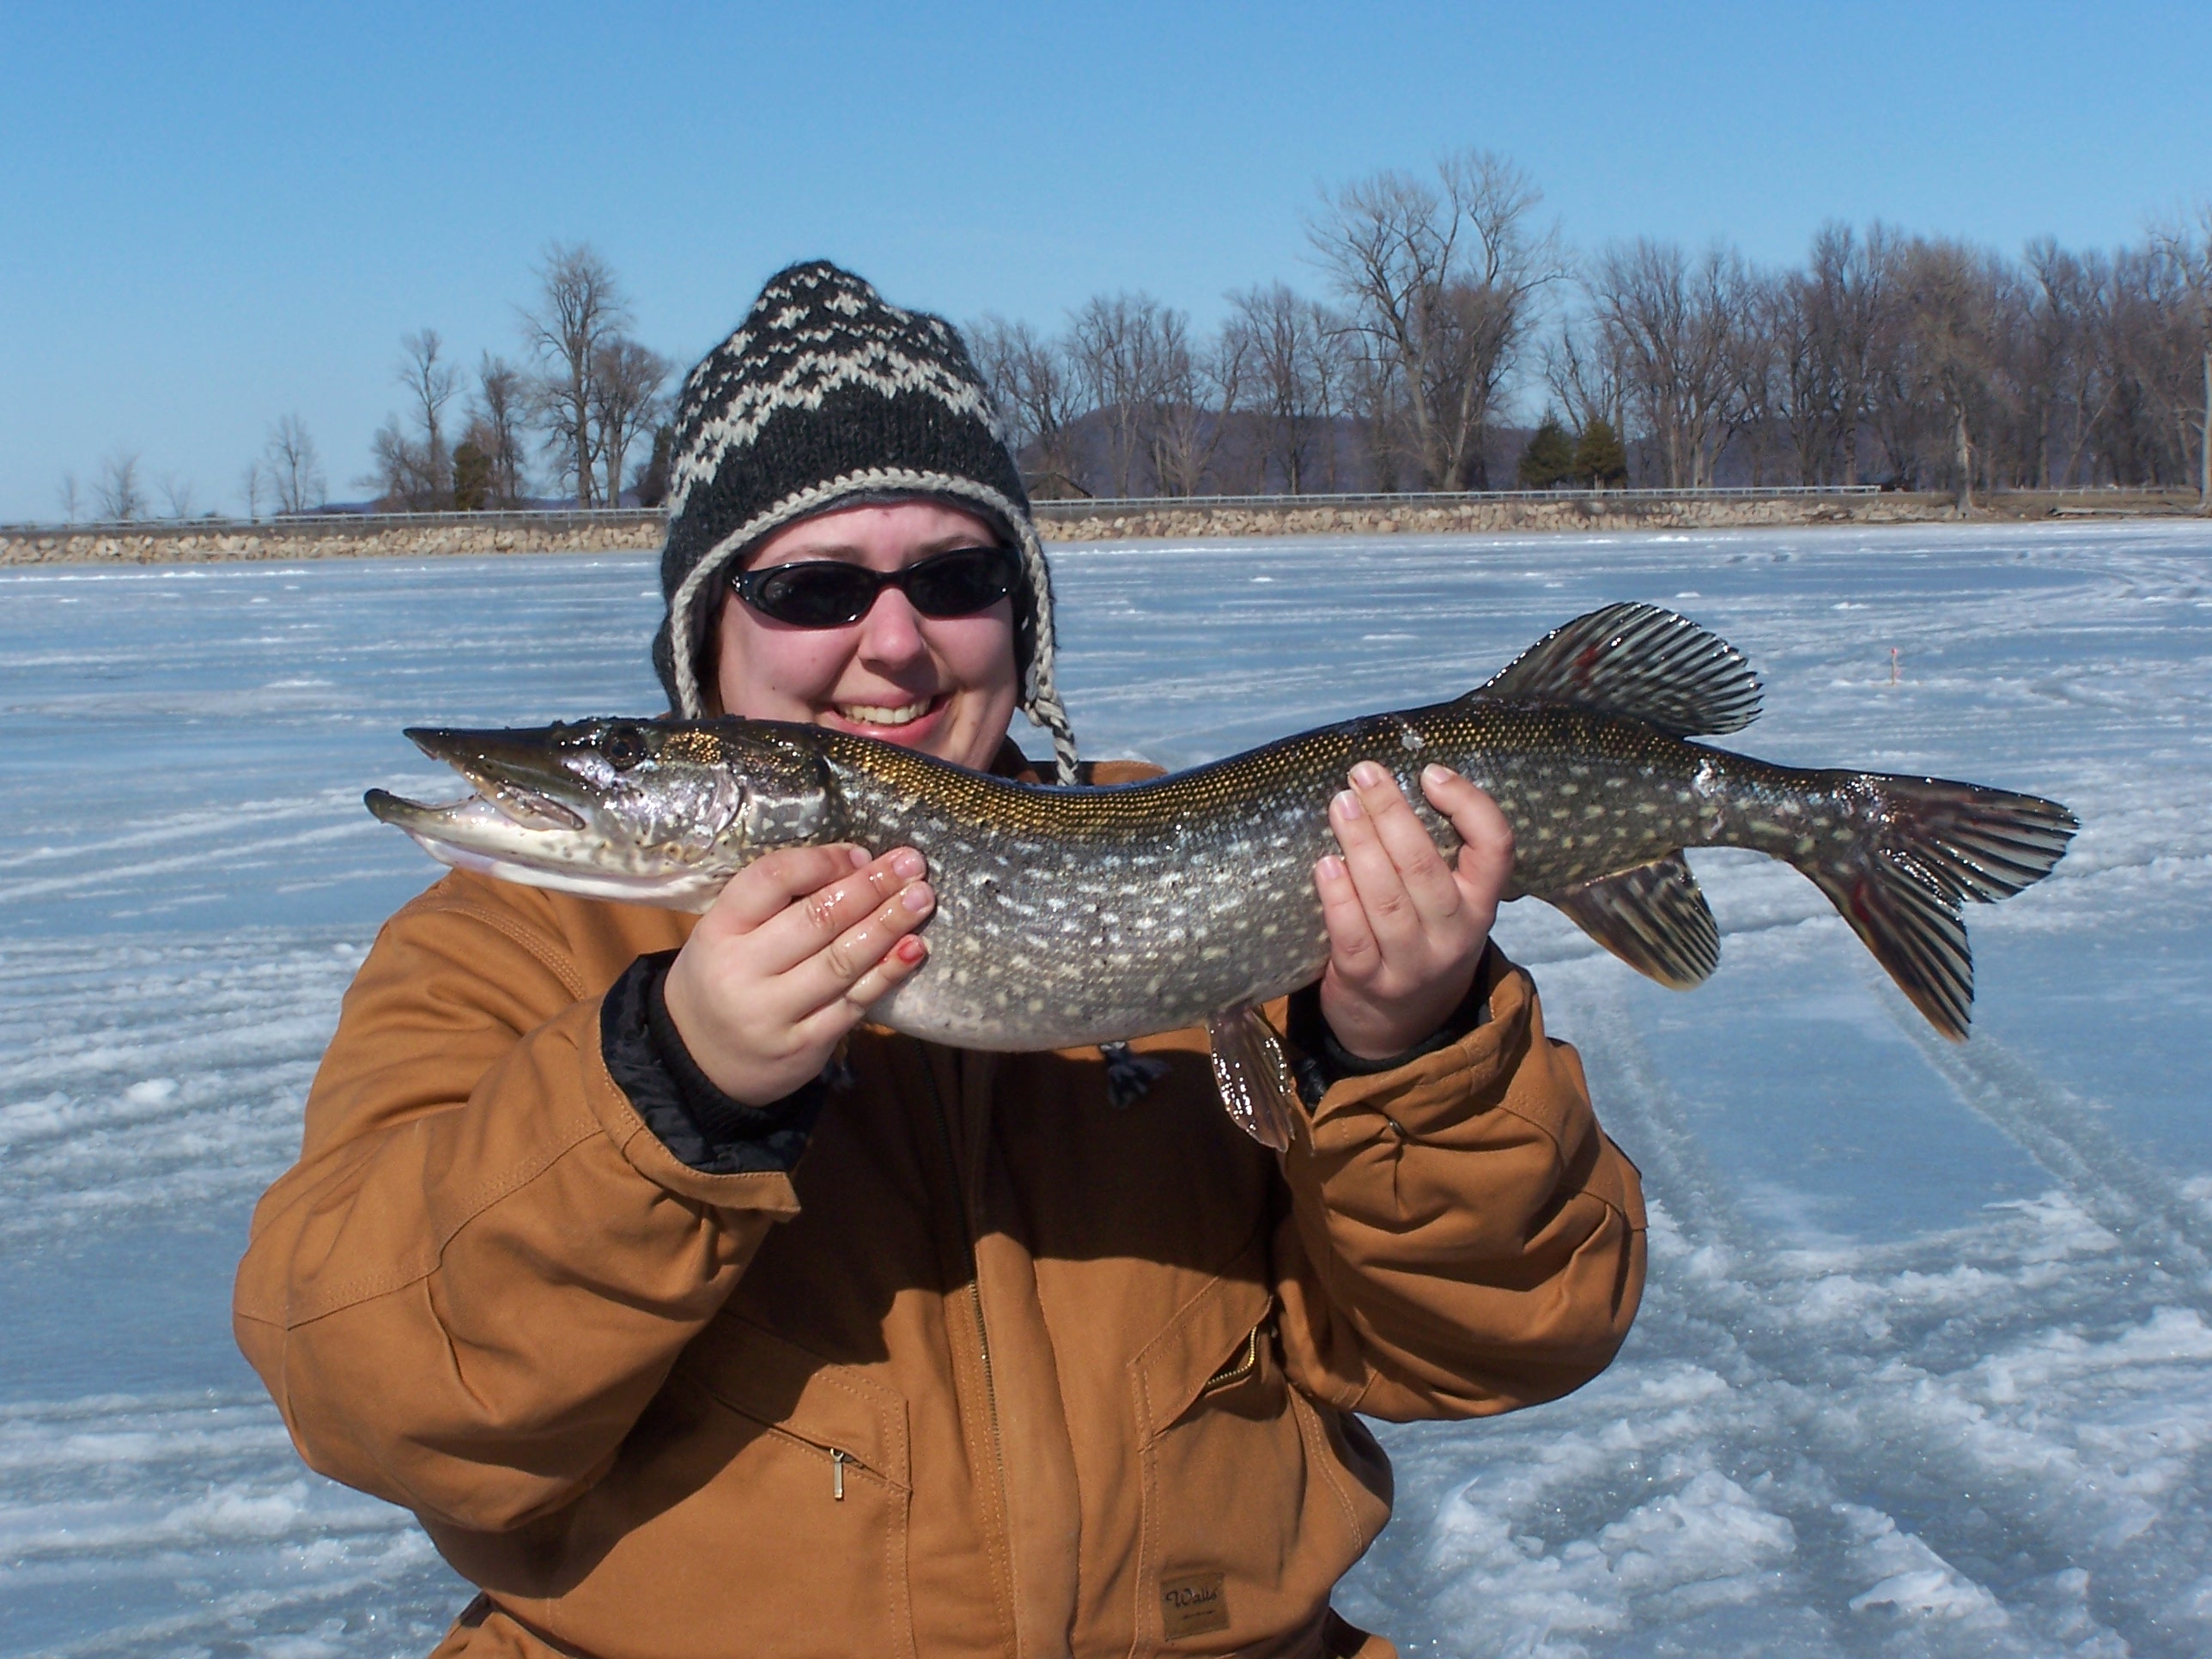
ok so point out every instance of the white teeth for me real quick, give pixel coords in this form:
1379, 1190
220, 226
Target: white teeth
862, 714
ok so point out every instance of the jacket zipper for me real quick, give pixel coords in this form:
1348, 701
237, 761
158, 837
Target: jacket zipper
837, 1461
1241, 1366
976, 1299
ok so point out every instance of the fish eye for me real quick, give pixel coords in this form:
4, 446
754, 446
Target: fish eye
623, 746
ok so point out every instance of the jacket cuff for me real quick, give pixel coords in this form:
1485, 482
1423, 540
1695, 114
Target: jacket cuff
702, 1126
1321, 1061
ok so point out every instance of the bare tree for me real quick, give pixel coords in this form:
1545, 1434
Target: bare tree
404, 473
253, 489
1122, 347
1038, 394
296, 471
1444, 279
495, 422
1757, 391
1946, 295
2187, 247
1202, 388
581, 309
1582, 368
118, 494
1846, 298
626, 403
71, 500
430, 387
1669, 320
177, 496
1296, 354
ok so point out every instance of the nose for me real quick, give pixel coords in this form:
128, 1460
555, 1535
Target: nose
891, 634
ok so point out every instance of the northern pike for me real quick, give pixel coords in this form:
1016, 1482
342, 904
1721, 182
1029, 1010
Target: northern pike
1068, 916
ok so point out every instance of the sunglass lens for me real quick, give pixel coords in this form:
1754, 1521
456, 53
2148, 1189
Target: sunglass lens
823, 595
960, 584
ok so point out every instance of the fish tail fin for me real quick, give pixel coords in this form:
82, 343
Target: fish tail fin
1930, 846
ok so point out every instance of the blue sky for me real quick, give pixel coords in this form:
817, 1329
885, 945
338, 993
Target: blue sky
211, 216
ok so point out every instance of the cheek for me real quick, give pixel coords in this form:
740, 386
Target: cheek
764, 673
979, 651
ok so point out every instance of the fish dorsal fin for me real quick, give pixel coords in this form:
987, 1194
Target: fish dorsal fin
1653, 918
1640, 661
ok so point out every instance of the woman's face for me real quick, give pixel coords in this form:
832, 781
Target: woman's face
945, 686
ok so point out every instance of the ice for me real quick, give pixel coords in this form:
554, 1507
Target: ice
1925, 1366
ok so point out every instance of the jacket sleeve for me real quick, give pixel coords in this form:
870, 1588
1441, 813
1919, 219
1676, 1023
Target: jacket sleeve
1462, 1239
484, 1264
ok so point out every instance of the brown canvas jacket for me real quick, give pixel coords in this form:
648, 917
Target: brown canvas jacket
996, 1368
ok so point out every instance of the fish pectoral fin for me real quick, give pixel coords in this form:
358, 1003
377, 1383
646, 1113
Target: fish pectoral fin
1639, 661
1253, 1076
1654, 918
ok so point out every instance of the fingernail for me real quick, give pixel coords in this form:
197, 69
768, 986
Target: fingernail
918, 897
1435, 774
1347, 804
909, 864
1330, 868
859, 856
1367, 775
910, 949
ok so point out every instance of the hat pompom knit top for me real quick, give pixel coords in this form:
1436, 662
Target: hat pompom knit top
827, 397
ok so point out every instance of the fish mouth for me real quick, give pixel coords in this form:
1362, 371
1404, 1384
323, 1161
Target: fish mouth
514, 779
480, 833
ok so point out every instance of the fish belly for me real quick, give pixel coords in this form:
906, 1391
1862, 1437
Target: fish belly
1055, 944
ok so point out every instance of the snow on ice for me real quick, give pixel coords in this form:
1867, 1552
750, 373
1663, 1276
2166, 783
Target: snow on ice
1925, 1366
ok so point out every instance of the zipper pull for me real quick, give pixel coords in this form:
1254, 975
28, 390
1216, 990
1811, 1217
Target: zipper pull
837, 1461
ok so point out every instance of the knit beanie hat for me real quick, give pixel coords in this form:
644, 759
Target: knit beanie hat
826, 396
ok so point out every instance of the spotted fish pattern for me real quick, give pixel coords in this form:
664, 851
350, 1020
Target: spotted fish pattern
1072, 916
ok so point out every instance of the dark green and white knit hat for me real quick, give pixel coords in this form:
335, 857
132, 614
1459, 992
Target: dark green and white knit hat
823, 397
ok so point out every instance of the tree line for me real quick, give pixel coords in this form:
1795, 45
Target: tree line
1447, 315
1448, 311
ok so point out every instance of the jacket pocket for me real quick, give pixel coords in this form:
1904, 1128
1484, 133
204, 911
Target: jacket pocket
759, 1506
826, 1465
1246, 1524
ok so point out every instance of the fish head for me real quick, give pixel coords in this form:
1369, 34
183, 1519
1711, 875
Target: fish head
644, 812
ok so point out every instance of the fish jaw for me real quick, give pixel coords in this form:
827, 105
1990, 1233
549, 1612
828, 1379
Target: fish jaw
477, 835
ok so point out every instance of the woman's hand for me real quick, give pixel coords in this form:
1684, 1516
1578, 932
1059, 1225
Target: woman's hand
1405, 929
788, 959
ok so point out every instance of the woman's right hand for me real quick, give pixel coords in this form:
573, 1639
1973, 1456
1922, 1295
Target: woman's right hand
789, 957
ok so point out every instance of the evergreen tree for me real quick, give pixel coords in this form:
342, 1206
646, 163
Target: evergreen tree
471, 478
651, 482
1549, 460
1600, 459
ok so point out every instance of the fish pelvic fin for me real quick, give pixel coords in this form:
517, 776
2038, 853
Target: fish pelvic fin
1640, 661
1654, 918
1932, 846
1253, 1076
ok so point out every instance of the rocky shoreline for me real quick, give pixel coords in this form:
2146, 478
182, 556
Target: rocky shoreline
1063, 522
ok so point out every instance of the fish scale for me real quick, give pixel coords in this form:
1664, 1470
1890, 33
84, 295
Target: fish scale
1155, 905
1070, 916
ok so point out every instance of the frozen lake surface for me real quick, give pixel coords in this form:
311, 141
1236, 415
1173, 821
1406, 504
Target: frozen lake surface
1926, 1366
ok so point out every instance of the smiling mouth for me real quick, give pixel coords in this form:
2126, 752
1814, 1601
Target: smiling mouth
870, 714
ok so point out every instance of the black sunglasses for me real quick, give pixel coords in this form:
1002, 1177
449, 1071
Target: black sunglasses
827, 593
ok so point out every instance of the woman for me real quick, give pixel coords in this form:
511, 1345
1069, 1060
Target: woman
692, 1314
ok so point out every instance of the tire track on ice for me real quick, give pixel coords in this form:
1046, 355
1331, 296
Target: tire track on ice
1880, 1420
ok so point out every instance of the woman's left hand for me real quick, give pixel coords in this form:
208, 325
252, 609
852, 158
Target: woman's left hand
1405, 929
